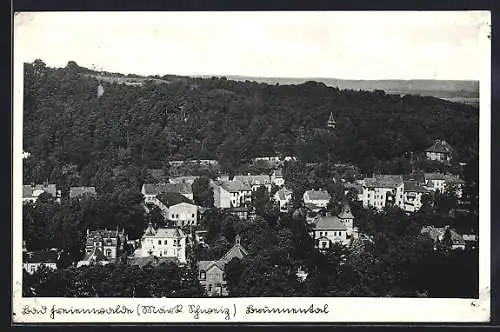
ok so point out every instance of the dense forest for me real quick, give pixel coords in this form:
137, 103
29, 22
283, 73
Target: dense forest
73, 134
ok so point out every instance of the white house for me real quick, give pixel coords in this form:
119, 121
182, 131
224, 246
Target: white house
163, 242
177, 208
283, 198
382, 191
240, 194
440, 150
329, 230
440, 182
31, 192
412, 198
277, 178
317, 198
32, 261
151, 191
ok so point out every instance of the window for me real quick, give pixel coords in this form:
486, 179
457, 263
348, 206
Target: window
334, 233
108, 242
176, 216
159, 241
192, 216
326, 233
173, 216
203, 275
210, 287
108, 252
323, 244
165, 242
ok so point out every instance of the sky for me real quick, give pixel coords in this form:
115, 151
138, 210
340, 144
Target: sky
346, 45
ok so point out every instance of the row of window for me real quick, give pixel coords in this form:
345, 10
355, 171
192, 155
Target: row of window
176, 242
176, 216
335, 233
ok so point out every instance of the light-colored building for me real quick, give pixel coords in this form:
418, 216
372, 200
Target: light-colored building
277, 178
31, 192
317, 198
283, 197
440, 182
177, 208
240, 194
32, 261
383, 190
187, 179
211, 274
79, 192
413, 194
329, 230
440, 150
163, 242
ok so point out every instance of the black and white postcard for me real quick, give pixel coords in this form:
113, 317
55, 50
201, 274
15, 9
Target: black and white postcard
251, 167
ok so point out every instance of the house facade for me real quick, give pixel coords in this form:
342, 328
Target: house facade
106, 243
412, 198
240, 193
255, 181
317, 198
283, 197
34, 260
329, 230
211, 273
31, 192
440, 151
277, 178
222, 197
163, 242
183, 214
151, 191
382, 191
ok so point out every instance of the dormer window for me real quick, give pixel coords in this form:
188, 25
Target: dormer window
203, 275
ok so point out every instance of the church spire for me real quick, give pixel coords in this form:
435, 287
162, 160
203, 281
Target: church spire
331, 121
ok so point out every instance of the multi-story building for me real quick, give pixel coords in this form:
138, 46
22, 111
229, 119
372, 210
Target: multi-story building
440, 150
211, 273
383, 190
333, 229
163, 242
239, 193
34, 260
412, 198
177, 208
283, 198
255, 181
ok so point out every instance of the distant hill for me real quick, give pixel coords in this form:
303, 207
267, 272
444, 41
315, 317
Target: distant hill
445, 89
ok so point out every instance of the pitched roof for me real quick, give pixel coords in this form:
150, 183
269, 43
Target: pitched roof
434, 176
440, 146
183, 179
235, 186
413, 186
253, 180
346, 212
79, 191
96, 255
278, 173
437, 233
206, 265
384, 181
237, 251
327, 223
42, 256
152, 260
161, 188
29, 189
318, 194
172, 198
163, 232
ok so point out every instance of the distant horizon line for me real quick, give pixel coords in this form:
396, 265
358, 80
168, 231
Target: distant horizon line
267, 77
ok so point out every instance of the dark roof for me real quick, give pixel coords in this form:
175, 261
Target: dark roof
384, 181
172, 198
79, 191
440, 146
95, 255
318, 194
413, 186
42, 256
160, 188
235, 186
151, 260
101, 234
327, 223
418, 177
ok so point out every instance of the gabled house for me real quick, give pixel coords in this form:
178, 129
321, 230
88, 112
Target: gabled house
103, 243
255, 181
329, 230
163, 242
33, 260
316, 198
440, 150
383, 190
283, 197
151, 191
211, 273
177, 208
188, 179
437, 234
31, 192
79, 192
413, 193
240, 193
